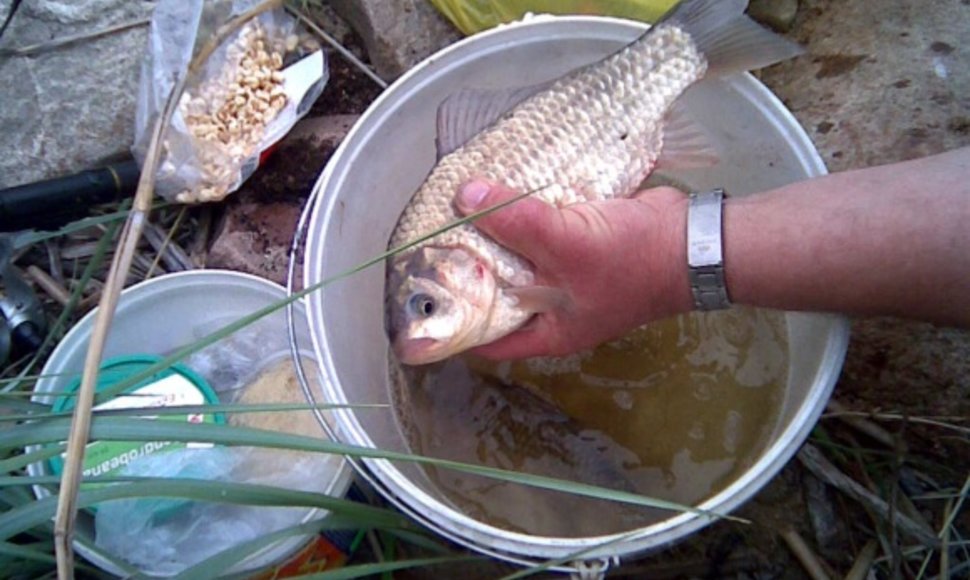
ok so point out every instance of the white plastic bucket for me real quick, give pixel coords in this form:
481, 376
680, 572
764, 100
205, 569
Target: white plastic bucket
390, 151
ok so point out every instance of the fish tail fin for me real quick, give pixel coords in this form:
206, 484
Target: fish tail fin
729, 40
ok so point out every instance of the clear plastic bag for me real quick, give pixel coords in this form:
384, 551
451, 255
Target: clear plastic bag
246, 96
163, 536
251, 366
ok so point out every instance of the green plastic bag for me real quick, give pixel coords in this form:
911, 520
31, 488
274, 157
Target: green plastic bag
471, 16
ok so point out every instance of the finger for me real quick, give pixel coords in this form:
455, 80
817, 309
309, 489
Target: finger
663, 193
532, 340
527, 226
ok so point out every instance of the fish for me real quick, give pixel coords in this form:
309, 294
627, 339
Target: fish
592, 134
462, 410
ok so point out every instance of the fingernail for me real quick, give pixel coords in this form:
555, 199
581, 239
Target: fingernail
473, 193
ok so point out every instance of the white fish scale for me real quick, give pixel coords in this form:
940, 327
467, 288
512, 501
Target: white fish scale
568, 140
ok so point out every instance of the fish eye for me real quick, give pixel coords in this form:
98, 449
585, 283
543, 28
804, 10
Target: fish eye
422, 304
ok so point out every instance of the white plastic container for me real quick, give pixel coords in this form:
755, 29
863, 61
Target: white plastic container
157, 317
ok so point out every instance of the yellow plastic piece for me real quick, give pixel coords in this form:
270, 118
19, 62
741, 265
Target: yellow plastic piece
471, 16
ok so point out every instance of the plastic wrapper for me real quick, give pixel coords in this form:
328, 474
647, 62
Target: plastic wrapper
164, 536
245, 96
471, 16
230, 364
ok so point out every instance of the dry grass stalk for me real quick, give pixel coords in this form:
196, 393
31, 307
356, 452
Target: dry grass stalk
862, 425
810, 562
863, 562
931, 421
128, 242
166, 249
351, 58
59, 42
49, 285
815, 461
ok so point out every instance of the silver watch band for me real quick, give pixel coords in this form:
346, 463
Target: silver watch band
705, 255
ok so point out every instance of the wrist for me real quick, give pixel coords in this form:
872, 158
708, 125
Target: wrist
674, 291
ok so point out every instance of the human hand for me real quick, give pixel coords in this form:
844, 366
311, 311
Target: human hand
622, 263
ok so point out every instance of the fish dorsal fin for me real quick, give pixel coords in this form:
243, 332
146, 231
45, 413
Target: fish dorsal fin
469, 111
685, 144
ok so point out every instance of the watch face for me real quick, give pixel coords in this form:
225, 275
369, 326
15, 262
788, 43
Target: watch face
704, 229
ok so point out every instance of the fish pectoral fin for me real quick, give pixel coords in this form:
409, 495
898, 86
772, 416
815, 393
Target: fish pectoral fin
685, 144
469, 111
539, 298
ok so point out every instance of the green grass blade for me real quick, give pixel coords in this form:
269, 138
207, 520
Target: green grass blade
213, 566
27, 553
123, 429
94, 549
38, 512
100, 250
26, 570
15, 497
112, 218
419, 539
362, 570
184, 409
13, 402
21, 461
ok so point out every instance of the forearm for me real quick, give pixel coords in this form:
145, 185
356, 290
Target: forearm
891, 240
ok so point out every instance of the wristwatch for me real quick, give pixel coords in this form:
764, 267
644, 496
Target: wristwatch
705, 254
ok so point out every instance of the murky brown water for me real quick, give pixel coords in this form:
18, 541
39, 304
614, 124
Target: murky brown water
675, 411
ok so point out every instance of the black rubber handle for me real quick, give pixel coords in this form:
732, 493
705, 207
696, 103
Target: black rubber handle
52, 203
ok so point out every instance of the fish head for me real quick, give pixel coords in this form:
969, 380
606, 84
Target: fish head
440, 302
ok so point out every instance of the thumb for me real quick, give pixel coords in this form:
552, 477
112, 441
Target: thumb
527, 225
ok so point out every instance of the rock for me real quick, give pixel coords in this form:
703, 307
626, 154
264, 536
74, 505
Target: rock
70, 108
261, 218
321, 131
397, 34
778, 14
255, 238
829, 529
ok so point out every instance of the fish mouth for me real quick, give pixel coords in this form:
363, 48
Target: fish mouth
418, 351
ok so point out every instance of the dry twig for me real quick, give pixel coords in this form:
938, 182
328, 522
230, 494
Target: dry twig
339, 48
931, 421
49, 285
815, 461
810, 562
166, 250
59, 42
862, 425
863, 562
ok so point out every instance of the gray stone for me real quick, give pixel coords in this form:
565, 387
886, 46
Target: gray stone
397, 34
778, 14
70, 108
